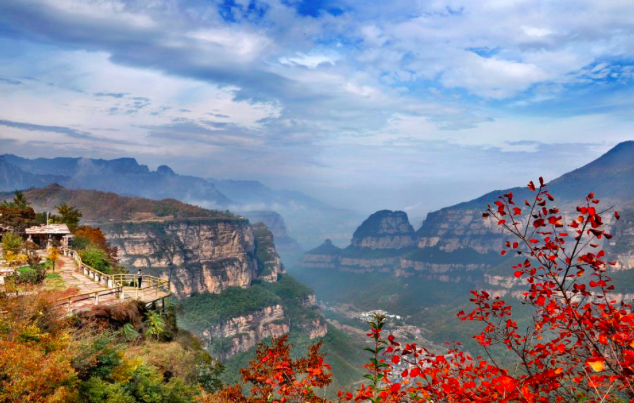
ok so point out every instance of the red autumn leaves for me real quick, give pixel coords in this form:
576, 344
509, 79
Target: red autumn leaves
578, 344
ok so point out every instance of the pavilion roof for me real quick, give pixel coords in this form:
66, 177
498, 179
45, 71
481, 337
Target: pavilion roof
50, 229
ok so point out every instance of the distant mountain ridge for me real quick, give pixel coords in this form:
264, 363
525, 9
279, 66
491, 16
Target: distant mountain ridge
308, 219
455, 239
123, 176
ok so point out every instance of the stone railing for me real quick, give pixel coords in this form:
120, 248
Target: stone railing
122, 286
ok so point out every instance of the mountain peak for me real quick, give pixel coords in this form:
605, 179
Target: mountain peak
385, 229
326, 248
165, 170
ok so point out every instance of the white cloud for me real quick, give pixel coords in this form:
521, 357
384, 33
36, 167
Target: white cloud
492, 77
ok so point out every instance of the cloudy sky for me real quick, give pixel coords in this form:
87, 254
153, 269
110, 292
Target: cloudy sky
400, 104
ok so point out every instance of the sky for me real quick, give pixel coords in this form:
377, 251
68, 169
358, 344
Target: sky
365, 104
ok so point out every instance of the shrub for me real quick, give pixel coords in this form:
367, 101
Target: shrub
97, 259
31, 275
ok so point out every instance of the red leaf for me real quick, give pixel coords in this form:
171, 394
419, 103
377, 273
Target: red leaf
531, 186
616, 214
518, 274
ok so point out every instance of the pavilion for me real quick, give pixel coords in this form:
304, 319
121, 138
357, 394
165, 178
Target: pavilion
44, 234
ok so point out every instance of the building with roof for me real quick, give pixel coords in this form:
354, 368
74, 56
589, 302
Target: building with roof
46, 234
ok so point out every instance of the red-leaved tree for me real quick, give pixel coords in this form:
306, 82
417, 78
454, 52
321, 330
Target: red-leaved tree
579, 346
274, 376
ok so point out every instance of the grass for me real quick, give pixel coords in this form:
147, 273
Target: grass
54, 282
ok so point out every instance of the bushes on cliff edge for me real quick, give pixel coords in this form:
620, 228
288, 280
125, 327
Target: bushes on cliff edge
46, 356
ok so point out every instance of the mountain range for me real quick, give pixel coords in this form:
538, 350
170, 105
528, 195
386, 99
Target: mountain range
458, 237
426, 275
309, 220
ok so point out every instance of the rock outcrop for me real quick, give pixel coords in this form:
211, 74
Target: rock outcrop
325, 256
384, 229
241, 333
269, 263
196, 255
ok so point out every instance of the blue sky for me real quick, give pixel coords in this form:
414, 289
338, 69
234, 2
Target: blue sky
365, 104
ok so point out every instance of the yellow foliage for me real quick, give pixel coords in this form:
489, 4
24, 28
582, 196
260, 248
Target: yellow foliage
15, 259
597, 365
124, 371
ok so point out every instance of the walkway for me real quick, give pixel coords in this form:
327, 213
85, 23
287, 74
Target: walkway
96, 288
75, 279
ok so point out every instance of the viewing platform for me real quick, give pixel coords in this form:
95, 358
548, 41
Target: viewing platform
97, 288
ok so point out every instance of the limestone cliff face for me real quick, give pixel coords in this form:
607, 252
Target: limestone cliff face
384, 229
362, 265
269, 262
452, 229
239, 334
245, 332
325, 256
428, 267
621, 247
197, 255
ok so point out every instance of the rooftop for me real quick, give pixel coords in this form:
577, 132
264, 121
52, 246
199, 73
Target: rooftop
55, 229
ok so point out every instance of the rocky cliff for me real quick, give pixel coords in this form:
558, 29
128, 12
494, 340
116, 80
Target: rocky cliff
610, 177
242, 333
325, 256
237, 319
197, 255
621, 247
384, 229
285, 245
211, 257
456, 240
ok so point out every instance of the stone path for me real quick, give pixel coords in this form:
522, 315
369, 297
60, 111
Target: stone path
100, 294
74, 279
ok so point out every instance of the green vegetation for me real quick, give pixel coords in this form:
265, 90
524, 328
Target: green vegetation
32, 275
97, 259
19, 201
205, 310
367, 291
99, 355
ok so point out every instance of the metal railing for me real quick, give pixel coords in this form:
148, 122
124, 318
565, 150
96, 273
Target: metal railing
149, 290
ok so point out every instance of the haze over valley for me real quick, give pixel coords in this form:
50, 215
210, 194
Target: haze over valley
293, 201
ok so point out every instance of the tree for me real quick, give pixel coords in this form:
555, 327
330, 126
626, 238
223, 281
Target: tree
16, 219
580, 346
19, 201
69, 215
13, 249
276, 377
155, 325
85, 236
52, 254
